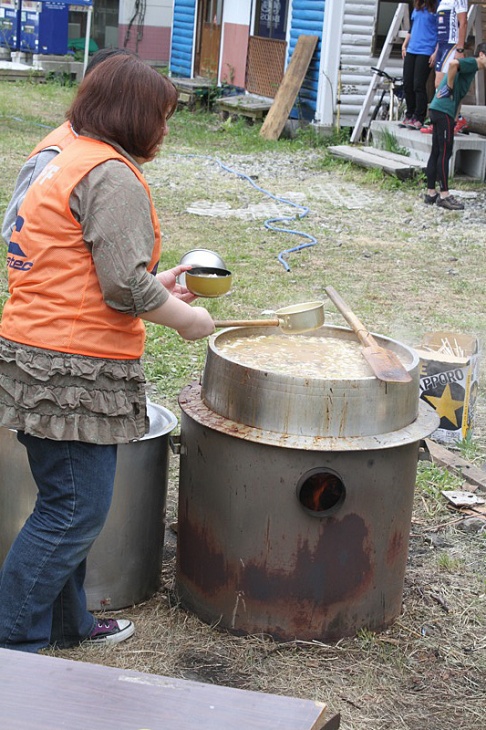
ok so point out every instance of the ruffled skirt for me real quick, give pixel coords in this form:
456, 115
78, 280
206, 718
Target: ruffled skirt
69, 397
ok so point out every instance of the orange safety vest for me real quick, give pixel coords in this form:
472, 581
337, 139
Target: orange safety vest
58, 139
56, 302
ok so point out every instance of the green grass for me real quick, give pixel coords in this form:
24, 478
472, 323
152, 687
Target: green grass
389, 143
431, 481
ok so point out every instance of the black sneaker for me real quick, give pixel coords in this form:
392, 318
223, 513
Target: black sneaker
430, 199
450, 203
109, 631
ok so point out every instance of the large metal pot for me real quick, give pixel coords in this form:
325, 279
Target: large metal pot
303, 406
125, 561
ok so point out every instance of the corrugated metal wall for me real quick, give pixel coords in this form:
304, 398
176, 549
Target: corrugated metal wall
307, 19
182, 38
356, 58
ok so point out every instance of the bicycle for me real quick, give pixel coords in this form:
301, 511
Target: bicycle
393, 109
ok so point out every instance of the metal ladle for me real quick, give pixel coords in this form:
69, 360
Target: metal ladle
292, 320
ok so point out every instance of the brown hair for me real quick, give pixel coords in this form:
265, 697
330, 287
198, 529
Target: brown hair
429, 5
126, 101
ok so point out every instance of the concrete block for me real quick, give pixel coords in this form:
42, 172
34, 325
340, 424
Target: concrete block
59, 66
468, 156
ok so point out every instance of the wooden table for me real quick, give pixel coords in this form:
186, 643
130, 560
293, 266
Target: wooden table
46, 693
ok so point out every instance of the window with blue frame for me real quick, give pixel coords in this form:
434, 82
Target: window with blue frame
271, 19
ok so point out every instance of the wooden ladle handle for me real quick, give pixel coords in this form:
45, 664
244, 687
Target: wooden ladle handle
246, 322
356, 325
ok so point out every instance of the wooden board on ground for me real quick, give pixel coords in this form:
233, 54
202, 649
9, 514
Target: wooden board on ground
48, 693
12, 74
245, 105
405, 159
399, 165
441, 456
289, 88
191, 91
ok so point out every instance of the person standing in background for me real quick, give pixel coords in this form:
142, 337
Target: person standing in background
443, 110
419, 52
451, 36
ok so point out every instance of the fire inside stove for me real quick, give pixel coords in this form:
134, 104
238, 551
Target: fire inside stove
321, 491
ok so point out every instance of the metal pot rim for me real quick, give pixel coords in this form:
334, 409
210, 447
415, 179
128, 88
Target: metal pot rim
192, 404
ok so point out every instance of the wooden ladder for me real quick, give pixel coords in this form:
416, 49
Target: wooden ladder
398, 29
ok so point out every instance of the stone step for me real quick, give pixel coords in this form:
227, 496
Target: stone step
468, 156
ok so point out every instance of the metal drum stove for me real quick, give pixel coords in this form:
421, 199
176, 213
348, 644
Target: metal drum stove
295, 495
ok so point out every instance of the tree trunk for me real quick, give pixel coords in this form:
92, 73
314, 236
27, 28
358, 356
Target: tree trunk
476, 118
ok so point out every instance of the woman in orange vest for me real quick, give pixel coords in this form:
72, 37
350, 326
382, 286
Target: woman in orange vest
82, 262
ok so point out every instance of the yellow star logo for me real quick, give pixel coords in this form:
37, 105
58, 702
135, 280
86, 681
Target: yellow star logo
446, 406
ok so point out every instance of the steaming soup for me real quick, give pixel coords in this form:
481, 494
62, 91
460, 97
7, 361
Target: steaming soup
330, 358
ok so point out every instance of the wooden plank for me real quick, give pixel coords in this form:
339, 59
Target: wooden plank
49, 693
289, 88
361, 157
19, 75
443, 457
418, 164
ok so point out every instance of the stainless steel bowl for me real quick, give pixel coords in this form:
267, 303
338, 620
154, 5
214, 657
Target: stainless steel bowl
201, 257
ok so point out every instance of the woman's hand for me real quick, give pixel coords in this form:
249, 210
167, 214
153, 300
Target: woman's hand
405, 45
168, 279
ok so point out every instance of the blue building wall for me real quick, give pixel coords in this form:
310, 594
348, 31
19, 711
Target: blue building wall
307, 19
182, 38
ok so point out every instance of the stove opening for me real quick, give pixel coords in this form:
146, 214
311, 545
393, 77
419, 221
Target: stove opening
321, 492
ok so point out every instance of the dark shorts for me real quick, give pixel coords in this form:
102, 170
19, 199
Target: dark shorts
445, 54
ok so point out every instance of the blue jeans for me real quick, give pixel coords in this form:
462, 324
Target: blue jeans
42, 599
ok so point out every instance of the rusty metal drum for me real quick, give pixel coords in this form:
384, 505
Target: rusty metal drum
297, 535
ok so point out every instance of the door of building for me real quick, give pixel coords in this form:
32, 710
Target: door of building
208, 38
